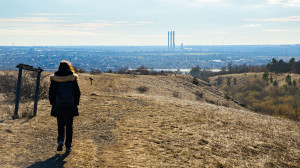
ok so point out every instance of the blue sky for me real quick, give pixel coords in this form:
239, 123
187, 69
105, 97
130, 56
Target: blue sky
147, 22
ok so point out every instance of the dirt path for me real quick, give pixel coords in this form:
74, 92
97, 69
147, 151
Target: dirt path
119, 127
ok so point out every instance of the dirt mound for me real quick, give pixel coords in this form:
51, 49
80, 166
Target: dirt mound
172, 124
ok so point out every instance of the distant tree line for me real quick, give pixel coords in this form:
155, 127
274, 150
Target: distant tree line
280, 66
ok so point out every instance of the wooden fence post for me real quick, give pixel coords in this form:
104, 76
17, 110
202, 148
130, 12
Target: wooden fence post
18, 93
36, 96
37, 87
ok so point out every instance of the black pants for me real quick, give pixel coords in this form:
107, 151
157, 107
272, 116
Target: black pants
62, 123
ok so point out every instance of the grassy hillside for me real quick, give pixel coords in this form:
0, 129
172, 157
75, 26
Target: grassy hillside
172, 124
274, 95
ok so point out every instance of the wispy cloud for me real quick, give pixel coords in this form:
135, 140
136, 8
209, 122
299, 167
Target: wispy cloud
147, 36
276, 30
252, 25
292, 30
52, 14
219, 33
57, 25
284, 2
156, 36
189, 1
284, 19
32, 19
49, 32
144, 23
258, 6
121, 21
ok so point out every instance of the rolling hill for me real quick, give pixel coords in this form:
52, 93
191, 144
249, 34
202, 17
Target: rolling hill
171, 123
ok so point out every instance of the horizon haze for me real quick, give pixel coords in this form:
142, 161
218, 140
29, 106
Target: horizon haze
146, 23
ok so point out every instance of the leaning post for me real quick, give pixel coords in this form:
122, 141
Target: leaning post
18, 92
29, 68
37, 87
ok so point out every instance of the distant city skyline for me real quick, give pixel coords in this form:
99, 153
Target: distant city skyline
146, 22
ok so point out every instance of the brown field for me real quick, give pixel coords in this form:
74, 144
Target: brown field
167, 126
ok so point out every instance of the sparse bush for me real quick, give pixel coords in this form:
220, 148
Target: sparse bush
142, 89
79, 70
8, 86
195, 71
275, 83
228, 82
210, 101
122, 70
95, 71
219, 81
294, 83
26, 112
109, 71
143, 70
265, 76
198, 95
195, 81
271, 79
226, 96
256, 95
176, 94
288, 80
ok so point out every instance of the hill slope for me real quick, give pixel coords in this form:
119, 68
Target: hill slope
167, 126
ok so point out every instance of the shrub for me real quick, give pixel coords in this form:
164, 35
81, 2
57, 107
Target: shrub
288, 80
8, 86
109, 71
275, 83
226, 96
254, 93
79, 70
198, 95
265, 76
143, 70
228, 81
121, 70
195, 81
142, 89
294, 83
271, 79
95, 71
176, 94
219, 81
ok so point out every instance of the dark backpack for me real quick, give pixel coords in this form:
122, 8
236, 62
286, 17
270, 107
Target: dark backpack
65, 95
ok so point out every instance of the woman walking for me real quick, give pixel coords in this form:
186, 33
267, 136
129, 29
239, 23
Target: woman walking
64, 95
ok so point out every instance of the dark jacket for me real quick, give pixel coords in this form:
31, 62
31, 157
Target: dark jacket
64, 76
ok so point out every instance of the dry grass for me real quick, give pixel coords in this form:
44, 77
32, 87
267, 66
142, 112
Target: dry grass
120, 127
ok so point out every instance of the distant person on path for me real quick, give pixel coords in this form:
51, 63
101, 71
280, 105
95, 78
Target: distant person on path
64, 95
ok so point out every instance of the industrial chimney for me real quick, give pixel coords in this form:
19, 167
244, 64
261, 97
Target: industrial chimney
171, 37
173, 40
168, 40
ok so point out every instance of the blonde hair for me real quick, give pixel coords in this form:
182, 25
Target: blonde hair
65, 65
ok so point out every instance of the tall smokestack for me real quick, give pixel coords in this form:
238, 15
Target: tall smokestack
171, 46
168, 40
173, 40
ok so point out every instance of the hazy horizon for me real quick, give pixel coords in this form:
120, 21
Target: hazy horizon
147, 22
163, 46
